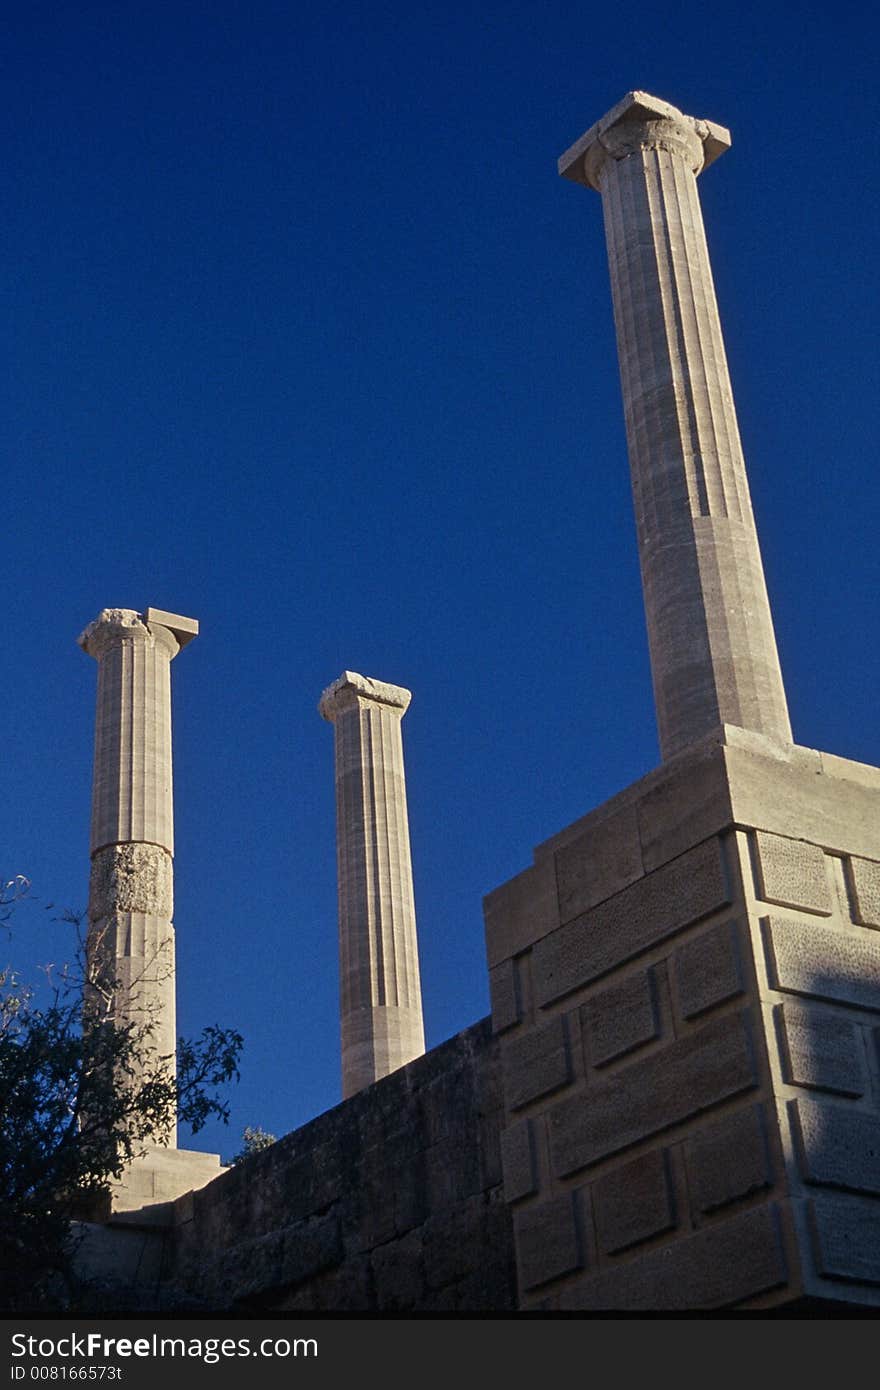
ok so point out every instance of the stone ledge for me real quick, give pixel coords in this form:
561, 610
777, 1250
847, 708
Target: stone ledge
731, 778
146, 1192
713, 752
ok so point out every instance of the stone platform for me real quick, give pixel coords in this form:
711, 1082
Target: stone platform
145, 1193
686, 985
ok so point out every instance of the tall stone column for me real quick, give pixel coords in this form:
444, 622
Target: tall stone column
380, 994
710, 633
131, 937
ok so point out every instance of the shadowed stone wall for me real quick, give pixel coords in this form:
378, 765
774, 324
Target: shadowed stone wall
674, 1107
679, 1082
687, 988
388, 1203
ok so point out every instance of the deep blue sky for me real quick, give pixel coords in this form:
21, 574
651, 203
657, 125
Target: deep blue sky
308, 340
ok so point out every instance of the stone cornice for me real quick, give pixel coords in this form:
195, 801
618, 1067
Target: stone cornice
641, 121
352, 689
114, 626
111, 627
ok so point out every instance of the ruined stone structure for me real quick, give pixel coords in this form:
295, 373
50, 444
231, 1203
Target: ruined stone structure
130, 941
390, 1202
676, 1103
687, 988
686, 981
380, 999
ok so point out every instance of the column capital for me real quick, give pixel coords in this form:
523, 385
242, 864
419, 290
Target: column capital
115, 625
641, 121
353, 689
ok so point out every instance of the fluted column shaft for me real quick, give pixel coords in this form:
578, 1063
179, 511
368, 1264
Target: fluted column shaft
380, 993
713, 650
132, 785
130, 942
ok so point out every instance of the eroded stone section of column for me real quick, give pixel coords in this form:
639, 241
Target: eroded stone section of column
132, 878
713, 650
130, 943
380, 993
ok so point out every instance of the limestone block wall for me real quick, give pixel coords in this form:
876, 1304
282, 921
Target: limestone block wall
817, 951
684, 985
391, 1202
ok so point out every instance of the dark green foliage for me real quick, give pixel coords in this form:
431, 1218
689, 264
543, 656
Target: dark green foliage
254, 1140
83, 1091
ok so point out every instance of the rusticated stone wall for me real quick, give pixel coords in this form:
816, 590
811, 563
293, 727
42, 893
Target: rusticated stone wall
391, 1202
819, 914
675, 1106
686, 985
